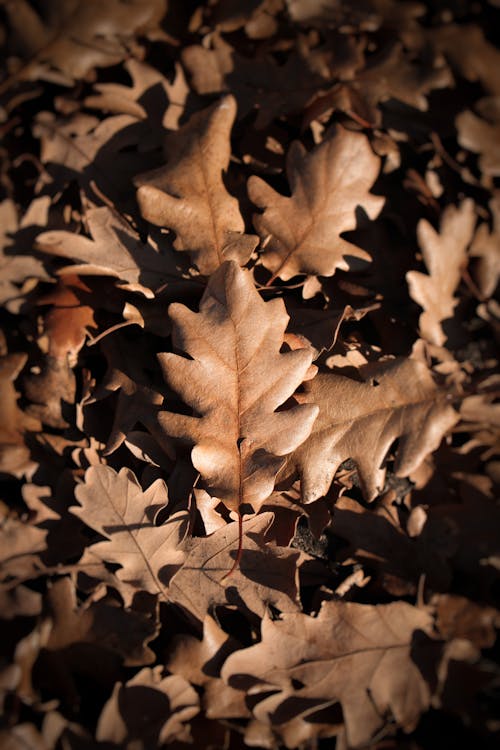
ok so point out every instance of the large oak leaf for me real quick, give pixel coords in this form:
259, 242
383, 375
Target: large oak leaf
397, 399
235, 380
355, 654
188, 194
116, 506
301, 233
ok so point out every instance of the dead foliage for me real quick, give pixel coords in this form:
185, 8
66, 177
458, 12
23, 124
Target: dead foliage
249, 435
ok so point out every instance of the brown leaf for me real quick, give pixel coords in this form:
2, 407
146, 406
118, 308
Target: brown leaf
150, 709
481, 137
387, 549
19, 544
16, 268
357, 655
14, 454
467, 48
397, 399
445, 255
485, 252
68, 39
302, 233
114, 250
234, 381
65, 329
266, 574
188, 194
115, 506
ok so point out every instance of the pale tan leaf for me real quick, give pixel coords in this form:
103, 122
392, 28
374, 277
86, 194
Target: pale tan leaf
114, 250
397, 399
188, 194
357, 655
445, 255
302, 233
116, 506
235, 381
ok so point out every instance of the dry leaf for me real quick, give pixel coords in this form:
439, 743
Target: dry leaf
445, 256
396, 399
114, 250
188, 195
302, 233
64, 40
357, 655
234, 381
266, 575
115, 506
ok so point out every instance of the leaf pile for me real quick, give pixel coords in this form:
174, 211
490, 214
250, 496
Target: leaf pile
249, 446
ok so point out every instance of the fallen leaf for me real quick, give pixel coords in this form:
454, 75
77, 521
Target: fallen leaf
445, 256
485, 252
301, 233
64, 42
188, 194
116, 507
234, 381
103, 624
397, 399
150, 709
15, 456
357, 655
266, 575
114, 250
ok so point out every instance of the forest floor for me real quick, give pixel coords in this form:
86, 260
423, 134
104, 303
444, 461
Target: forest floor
249, 432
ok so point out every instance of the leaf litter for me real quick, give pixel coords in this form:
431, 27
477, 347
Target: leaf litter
250, 443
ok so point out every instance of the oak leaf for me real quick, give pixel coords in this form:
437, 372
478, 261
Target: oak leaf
115, 506
485, 252
114, 250
481, 135
235, 380
20, 545
266, 575
16, 267
445, 255
357, 655
301, 233
397, 399
65, 40
188, 194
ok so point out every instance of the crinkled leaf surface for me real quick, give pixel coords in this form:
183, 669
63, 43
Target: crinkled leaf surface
188, 194
301, 233
266, 575
235, 381
70, 37
361, 420
445, 255
114, 250
356, 654
115, 506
